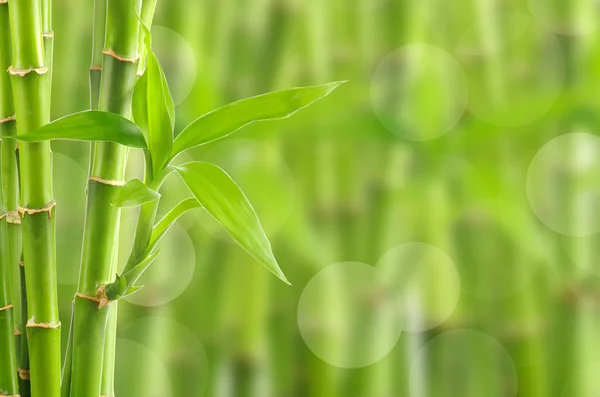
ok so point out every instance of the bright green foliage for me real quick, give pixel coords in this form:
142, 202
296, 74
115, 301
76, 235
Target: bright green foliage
224, 200
163, 226
91, 126
230, 118
134, 194
213, 189
153, 108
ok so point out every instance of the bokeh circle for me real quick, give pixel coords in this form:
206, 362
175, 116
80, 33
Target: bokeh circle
346, 318
419, 92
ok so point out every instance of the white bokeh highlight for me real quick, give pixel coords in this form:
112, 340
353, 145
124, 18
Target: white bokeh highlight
134, 363
171, 273
514, 78
567, 18
419, 92
455, 362
176, 346
423, 281
563, 184
177, 59
342, 313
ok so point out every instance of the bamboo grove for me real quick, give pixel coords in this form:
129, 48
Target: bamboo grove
113, 178
126, 80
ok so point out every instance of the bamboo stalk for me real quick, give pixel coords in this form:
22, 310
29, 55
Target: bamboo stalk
8, 356
48, 36
24, 367
145, 222
10, 197
107, 170
95, 75
31, 90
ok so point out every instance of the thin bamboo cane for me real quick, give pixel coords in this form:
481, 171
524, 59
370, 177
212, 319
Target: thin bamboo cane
31, 90
107, 168
8, 356
10, 222
95, 75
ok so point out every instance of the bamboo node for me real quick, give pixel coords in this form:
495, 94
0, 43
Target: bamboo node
32, 211
100, 298
9, 118
112, 53
49, 35
96, 67
9, 395
7, 307
3, 2
24, 72
107, 181
13, 217
21, 263
17, 332
23, 373
50, 325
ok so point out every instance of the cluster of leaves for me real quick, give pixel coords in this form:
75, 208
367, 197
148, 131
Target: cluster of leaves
211, 187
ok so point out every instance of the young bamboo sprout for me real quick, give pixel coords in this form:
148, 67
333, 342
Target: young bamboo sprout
31, 90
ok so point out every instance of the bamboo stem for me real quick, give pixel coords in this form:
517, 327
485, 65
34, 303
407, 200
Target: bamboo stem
31, 90
8, 369
48, 37
24, 367
119, 68
9, 224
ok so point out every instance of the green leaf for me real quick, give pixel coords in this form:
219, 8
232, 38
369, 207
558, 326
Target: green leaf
91, 126
153, 108
139, 103
163, 226
224, 200
230, 118
135, 193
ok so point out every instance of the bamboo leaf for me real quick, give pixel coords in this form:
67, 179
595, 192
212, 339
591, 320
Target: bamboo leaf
230, 118
91, 126
135, 193
163, 226
153, 108
224, 200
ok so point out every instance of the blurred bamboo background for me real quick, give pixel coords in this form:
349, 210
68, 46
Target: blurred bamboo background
427, 164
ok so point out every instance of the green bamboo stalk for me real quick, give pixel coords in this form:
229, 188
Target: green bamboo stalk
24, 367
107, 171
95, 75
8, 356
31, 90
9, 171
48, 36
145, 223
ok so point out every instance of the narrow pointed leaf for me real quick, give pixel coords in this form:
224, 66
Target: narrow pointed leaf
135, 193
230, 118
153, 108
139, 103
224, 200
91, 126
163, 226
